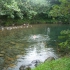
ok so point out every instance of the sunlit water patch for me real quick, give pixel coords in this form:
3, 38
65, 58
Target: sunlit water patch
37, 38
37, 50
34, 54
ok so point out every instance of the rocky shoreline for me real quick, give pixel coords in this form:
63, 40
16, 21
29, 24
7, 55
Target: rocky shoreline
15, 27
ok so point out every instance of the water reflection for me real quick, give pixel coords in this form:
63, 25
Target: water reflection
48, 31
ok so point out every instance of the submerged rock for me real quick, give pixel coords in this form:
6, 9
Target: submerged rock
1, 61
13, 43
1, 55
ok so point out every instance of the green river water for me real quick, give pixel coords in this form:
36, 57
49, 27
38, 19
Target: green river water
23, 45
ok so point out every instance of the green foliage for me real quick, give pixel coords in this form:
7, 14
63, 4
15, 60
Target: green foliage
11, 8
61, 11
8, 23
65, 40
30, 9
59, 64
31, 14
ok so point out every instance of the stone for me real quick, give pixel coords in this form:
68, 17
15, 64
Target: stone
49, 59
36, 62
22, 67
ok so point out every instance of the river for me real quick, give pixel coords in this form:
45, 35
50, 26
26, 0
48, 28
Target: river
24, 45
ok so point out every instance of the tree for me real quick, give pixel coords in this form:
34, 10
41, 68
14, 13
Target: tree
62, 11
22, 8
34, 7
8, 7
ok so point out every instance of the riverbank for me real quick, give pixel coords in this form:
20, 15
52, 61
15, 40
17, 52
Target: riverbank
59, 64
18, 22
15, 27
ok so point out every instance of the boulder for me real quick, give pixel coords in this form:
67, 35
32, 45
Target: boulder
49, 59
22, 67
36, 62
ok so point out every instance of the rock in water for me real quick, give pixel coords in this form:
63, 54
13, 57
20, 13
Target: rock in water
49, 59
36, 62
22, 67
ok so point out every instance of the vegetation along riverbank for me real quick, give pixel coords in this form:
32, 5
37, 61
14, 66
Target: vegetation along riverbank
59, 64
19, 12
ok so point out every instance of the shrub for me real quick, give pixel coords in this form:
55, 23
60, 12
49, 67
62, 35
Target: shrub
64, 40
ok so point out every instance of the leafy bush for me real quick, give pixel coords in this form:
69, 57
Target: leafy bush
65, 40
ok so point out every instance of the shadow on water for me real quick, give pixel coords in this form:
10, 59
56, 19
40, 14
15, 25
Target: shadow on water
23, 46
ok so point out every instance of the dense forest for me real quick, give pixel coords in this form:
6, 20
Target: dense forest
34, 11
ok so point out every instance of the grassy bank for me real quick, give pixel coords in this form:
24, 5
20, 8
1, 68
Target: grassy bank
59, 64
